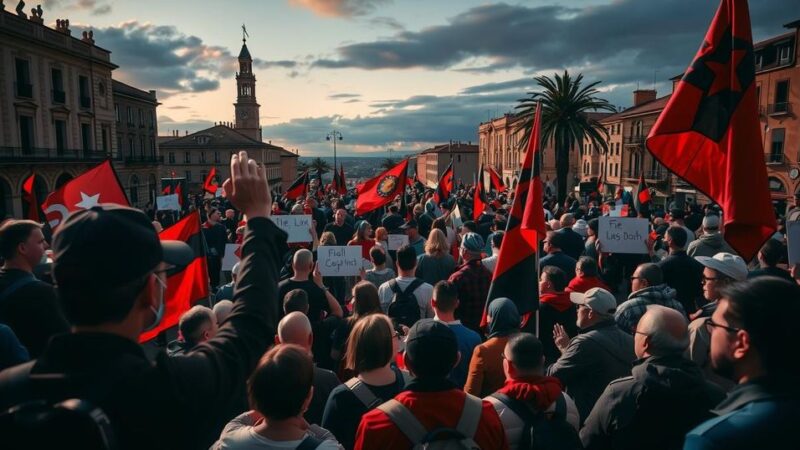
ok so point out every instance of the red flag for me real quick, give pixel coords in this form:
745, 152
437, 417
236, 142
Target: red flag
709, 133
497, 180
478, 197
445, 185
179, 193
642, 198
515, 272
299, 188
188, 285
167, 190
210, 184
29, 195
94, 187
379, 191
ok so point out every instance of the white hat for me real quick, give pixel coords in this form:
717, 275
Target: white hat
597, 299
711, 221
581, 227
726, 264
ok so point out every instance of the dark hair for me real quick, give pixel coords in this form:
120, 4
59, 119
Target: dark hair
556, 239
370, 344
470, 225
497, 239
678, 236
193, 321
556, 277
767, 308
446, 295
588, 266
439, 224
13, 233
295, 300
393, 209
406, 257
772, 252
525, 351
594, 225
377, 255
652, 273
365, 300
86, 304
281, 381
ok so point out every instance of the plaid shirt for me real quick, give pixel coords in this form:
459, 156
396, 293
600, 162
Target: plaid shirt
629, 312
472, 280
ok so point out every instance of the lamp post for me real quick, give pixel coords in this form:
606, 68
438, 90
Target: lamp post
334, 136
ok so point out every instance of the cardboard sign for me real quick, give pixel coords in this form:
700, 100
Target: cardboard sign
230, 258
793, 241
623, 234
397, 240
339, 260
297, 227
168, 203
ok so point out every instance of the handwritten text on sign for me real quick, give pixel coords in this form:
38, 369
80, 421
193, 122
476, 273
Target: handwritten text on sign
297, 227
339, 261
623, 234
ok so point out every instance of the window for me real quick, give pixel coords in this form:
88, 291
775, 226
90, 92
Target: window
203, 175
141, 146
61, 135
86, 137
83, 89
116, 112
216, 157
150, 119
131, 149
784, 54
781, 96
119, 144
24, 86
171, 157
130, 116
776, 149
57, 80
101, 88
153, 147
141, 118
188, 175
105, 132
759, 60
775, 185
133, 189
202, 157
187, 158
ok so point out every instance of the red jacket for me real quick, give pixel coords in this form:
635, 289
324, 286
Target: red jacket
583, 284
433, 410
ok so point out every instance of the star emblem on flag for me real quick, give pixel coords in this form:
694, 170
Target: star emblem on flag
88, 201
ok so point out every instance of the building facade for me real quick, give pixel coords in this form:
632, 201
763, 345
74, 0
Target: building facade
431, 163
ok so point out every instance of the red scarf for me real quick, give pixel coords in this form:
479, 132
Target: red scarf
558, 300
538, 390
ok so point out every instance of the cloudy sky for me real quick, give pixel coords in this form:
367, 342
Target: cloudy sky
399, 74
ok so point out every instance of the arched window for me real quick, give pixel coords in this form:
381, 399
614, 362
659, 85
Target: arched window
39, 189
133, 190
62, 179
152, 187
776, 185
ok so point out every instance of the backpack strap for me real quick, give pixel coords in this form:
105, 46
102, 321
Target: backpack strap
413, 286
310, 443
393, 286
404, 420
362, 392
470, 416
520, 409
15, 286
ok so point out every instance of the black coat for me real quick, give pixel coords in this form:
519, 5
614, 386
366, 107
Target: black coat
573, 243
684, 274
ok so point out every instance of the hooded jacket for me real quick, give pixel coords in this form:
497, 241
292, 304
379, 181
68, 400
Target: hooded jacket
709, 244
663, 399
485, 373
629, 313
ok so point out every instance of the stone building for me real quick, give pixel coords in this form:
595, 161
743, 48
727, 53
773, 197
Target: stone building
431, 163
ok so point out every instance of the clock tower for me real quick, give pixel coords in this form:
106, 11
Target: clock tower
247, 120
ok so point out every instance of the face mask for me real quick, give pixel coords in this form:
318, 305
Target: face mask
159, 313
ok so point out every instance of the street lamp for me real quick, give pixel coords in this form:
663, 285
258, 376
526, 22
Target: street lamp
334, 136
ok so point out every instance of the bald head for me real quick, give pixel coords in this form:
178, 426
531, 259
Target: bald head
661, 331
567, 220
302, 261
295, 328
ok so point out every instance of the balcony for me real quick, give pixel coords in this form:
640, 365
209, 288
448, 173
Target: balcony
775, 159
86, 102
59, 97
779, 109
650, 176
24, 90
634, 140
35, 154
143, 159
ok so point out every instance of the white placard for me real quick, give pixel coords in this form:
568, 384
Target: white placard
397, 240
298, 227
168, 203
456, 216
793, 241
623, 234
220, 192
339, 260
230, 258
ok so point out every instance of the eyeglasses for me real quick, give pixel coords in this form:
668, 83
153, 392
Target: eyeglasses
637, 278
710, 325
635, 332
706, 279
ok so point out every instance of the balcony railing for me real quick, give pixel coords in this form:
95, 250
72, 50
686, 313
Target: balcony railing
778, 109
775, 158
23, 155
649, 175
59, 97
86, 102
634, 140
143, 159
24, 90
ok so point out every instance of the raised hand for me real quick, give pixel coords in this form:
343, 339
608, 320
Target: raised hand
560, 337
248, 188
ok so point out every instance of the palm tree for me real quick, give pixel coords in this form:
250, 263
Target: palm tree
319, 164
388, 163
565, 119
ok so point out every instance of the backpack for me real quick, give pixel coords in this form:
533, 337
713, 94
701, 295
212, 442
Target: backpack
365, 395
404, 307
543, 431
443, 438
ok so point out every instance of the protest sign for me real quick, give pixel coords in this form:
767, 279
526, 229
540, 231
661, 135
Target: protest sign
168, 203
230, 257
793, 241
297, 227
339, 260
397, 240
623, 234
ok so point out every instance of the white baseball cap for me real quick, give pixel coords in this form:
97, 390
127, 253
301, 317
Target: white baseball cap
726, 264
597, 299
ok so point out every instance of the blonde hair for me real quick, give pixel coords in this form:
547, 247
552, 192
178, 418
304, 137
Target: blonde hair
436, 245
327, 238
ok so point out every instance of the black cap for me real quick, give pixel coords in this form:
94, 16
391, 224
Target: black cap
433, 345
111, 245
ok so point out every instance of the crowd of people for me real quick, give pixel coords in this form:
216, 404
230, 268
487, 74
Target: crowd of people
685, 346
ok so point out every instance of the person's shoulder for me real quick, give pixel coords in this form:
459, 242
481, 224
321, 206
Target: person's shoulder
717, 432
326, 377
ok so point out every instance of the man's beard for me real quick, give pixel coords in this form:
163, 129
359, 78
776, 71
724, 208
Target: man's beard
723, 366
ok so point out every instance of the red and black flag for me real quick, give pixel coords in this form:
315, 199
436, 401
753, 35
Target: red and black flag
299, 187
381, 190
642, 199
479, 196
29, 195
709, 132
188, 285
210, 183
445, 185
497, 180
515, 272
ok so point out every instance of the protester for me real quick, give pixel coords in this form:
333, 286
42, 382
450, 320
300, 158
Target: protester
555, 307
110, 269
496, 240
676, 220
445, 303
28, 306
406, 283
753, 343
295, 329
711, 241
276, 420
769, 256
382, 242
472, 281
590, 246
225, 292
295, 300
600, 353
308, 278
370, 354
197, 325
415, 240
362, 239
435, 264
631, 412
379, 273
648, 288
431, 399
586, 276
222, 310
343, 231
365, 302
553, 245
216, 238
527, 388
486, 366
392, 221
680, 271
572, 241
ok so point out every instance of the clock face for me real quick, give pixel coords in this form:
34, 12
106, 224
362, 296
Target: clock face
794, 173
244, 115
